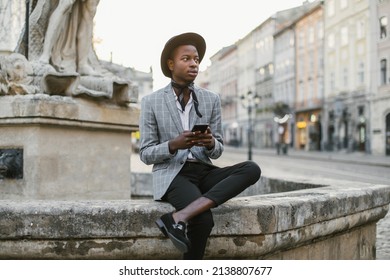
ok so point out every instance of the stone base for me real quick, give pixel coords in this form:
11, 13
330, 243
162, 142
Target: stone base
72, 148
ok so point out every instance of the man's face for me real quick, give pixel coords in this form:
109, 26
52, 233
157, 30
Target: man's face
184, 64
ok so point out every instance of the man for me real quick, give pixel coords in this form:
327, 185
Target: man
183, 173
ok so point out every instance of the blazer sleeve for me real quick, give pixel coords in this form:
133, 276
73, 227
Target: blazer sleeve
216, 129
151, 150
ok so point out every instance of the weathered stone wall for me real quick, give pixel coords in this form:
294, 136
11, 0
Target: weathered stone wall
337, 221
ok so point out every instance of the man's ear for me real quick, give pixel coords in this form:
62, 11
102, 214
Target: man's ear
170, 64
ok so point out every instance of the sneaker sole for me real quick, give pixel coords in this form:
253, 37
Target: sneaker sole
161, 226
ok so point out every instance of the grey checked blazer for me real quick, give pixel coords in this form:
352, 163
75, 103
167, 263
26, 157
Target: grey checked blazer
160, 122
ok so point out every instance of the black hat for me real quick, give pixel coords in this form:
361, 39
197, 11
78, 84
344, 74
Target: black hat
179, 40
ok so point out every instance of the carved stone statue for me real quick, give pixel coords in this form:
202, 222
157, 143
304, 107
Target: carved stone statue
68, 37
15, 75
62, 55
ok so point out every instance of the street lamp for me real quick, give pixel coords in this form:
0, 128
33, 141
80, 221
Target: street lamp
250, 102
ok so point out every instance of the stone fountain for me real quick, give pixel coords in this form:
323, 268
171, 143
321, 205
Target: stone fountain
65, 120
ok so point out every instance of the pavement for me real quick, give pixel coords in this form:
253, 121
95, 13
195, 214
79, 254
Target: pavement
383, 226
340, 156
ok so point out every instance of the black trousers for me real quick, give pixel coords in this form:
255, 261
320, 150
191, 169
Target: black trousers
218, 184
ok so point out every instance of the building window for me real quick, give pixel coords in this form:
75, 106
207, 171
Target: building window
301, 39
301, 92
320, 88
360, 48
271, 69
383, 27
268, 42
332, 82
331, 41
320, 30
343, 4
260, 45
311, 35
291, 41
345, 77
330, 8
311, 91
383, 71
361, 73
360, 29
311, 63
361, 111
301, 69
344, 55
344, 36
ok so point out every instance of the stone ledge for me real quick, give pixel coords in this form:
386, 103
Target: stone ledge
46, 110
254, 227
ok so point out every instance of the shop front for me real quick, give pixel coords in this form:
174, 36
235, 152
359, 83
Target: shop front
308, 131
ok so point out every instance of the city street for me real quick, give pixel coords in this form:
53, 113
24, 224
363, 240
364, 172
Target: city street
340, 165
299, 164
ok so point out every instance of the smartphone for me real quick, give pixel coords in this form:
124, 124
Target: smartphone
200, 127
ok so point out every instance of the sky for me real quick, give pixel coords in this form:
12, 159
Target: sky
133, 32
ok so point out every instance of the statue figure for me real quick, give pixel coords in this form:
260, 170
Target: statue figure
68, 38
62, 55
15, 75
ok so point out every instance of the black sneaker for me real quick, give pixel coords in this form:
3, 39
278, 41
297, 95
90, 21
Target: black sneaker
175, 231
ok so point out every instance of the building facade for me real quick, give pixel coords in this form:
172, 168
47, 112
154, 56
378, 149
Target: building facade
245, 84
285, 78
264, 74
380, 101
224, 70
348, 44
284, 89
328, 78
309, 36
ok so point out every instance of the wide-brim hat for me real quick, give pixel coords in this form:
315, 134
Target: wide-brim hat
189, 38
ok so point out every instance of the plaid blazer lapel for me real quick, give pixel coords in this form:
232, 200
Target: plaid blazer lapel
171, 104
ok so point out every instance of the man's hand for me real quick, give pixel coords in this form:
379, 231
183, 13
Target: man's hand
205, 139
188, 139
